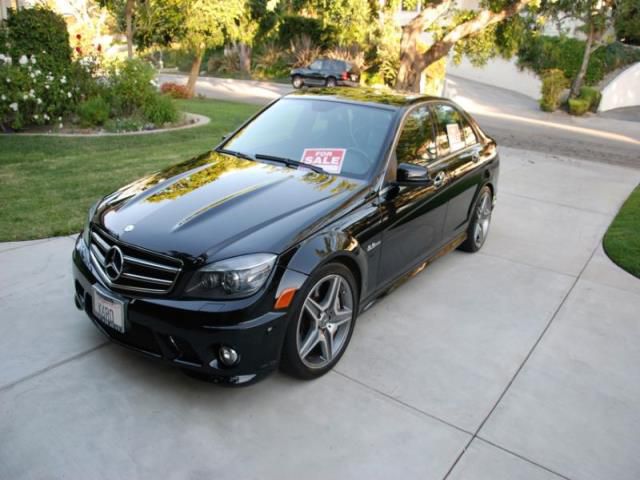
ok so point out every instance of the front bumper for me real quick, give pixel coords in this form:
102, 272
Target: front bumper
186, 333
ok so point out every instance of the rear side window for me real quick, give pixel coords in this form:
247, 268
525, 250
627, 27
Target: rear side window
417, 141
317, 65
454, 131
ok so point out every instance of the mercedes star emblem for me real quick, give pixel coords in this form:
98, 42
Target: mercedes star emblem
114, 263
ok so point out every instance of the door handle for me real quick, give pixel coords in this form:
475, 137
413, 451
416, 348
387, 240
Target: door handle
438, 179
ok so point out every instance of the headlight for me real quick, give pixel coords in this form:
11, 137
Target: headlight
86, 233
232, 278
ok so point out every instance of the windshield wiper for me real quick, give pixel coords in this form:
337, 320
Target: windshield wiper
289, 162
235, 154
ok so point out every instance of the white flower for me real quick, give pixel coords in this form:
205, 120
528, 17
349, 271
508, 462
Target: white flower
8, 80
47, 87
38, 101
69, 94
33, 59
23, 60
25, 97
35, 117
38, 72
60, 125
4, 97
46, 117
32, 94
14, 106
32, 75
59, 119
2, 57
63, 80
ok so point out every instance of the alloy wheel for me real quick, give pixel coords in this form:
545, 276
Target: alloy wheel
483, 219
324, 321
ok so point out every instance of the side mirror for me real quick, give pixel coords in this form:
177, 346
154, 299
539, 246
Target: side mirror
224, 137
412, 175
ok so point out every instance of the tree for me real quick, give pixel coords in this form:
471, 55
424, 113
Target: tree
596, 17
117, 9
413, 62
627, 21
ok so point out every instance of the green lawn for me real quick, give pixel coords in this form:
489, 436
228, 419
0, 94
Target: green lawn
48, 183
622, 241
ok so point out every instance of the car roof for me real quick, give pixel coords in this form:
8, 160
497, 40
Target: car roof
364, 95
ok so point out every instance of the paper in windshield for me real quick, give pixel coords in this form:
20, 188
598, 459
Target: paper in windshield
329, 159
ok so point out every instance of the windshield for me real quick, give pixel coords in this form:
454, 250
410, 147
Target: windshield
341, 138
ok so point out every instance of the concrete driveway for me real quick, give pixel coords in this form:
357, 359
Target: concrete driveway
520, 362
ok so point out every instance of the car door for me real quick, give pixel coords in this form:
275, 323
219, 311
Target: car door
315, 75
412, 217
459, 148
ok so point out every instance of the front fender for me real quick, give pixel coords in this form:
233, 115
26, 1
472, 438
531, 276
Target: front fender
329, 246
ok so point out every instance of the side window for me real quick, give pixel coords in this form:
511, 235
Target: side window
317, 65
417, 143
454, 131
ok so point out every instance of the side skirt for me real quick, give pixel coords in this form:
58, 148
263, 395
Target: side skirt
413, 271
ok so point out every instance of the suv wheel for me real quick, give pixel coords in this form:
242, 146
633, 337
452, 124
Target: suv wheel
331, 82
296, 81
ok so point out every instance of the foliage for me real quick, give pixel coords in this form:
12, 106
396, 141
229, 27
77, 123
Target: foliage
174, 90
622, 240
133, 123
48, 183
435, 77
592, 96
160, 110
349, 19
41, 32
578, 106
304, 51
31, 96
295, 26
385, 52
542, 53
271, 61
131, 85
93, 112
627, 21
554, 83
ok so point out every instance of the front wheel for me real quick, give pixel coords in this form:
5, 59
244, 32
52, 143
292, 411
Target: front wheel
296, 81
480, 222
322, 321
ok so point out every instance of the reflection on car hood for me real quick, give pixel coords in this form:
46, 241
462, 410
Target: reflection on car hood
218, 206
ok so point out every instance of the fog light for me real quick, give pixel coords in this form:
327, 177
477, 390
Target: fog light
228, 356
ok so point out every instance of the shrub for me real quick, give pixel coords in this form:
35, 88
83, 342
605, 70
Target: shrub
553, 84
93, 112
271, 61
352, 54
592, 96
131, 84
578, 106
174, 90
160, 110
304, 51
41, 32
543, 53
627, 22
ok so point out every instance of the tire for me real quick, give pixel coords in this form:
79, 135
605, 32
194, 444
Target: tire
330, 82
297, 82
478, 229
316, 338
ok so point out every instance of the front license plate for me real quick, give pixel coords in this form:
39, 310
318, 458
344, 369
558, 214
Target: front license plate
108, 310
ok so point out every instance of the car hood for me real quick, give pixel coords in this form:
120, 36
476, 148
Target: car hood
217, 206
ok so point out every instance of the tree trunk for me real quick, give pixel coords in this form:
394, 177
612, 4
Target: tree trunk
588, 50
408, 77
244, 54
442, 47
128, 13
194, 73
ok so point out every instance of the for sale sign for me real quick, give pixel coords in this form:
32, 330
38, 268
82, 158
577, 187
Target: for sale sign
329, 159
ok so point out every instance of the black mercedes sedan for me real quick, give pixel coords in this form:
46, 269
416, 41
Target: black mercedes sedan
263, 251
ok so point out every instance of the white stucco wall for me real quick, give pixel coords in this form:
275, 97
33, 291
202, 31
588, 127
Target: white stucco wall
622, 91
499, 73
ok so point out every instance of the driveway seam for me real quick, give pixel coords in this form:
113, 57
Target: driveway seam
400, 402
530, 265
52, 367
522, 364
517, 455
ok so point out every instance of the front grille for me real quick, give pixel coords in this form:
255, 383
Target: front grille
129, 268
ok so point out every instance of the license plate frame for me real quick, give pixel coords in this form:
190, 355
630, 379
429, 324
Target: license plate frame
109, 310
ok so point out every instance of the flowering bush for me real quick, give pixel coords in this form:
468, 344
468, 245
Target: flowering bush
130, 85
174, 90
31, 95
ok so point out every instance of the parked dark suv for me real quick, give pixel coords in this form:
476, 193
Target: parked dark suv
326, 72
